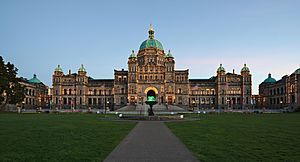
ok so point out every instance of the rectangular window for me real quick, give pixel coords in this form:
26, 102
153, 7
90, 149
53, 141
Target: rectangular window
99, 101
65, 101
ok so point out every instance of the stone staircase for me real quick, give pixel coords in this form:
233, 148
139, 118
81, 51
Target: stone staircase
156, 108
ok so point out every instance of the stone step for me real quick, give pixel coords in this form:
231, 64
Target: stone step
157, 107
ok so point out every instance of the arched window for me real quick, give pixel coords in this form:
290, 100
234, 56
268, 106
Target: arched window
179, 90
169, 89
292, 88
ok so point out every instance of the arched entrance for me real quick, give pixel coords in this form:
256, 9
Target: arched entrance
151, 100
151, 91
151, 88
151, 96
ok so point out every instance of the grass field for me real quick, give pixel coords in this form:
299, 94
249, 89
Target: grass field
51, 137
242, 137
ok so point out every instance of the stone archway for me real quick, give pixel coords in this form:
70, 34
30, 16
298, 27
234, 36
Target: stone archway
152, 91
151, 96
151, 88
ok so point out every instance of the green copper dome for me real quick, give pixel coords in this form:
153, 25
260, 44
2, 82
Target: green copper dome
81, 69
245, 69
34, 80
297, 71
221, 69
269, 79
169, 55
151, 42
59, 69
132, 55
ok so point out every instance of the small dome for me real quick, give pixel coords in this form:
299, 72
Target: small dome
297, 71
245, 69
59, 69
169, 55
221, 69
269, 79
81, 69
34, 80
132, 55
151, 42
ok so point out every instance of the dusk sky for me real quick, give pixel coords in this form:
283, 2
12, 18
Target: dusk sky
37, 35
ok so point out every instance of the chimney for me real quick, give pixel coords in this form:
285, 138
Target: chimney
233, 71
69, 71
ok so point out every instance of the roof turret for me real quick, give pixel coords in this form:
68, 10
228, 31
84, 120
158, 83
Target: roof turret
81, 69
169, 55
132, 55
221, 68
245, 69
34, 80
58, 69
269, 79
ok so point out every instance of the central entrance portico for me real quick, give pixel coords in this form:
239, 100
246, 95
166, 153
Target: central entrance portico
151, 99
153, 93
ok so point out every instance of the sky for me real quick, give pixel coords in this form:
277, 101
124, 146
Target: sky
37, 35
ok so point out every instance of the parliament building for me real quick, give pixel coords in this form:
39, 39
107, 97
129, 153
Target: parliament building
283, 93
152, 71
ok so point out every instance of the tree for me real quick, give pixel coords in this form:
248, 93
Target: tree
11, 91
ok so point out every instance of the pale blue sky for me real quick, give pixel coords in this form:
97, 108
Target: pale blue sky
36, 35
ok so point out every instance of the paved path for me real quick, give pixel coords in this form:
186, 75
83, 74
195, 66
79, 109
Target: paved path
151, 141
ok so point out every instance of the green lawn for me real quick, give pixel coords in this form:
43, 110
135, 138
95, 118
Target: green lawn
242, 137
51, 137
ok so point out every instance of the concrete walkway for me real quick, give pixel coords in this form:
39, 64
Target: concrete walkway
151, 141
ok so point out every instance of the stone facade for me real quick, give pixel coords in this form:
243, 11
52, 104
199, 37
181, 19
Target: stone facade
152, 70
284, 93
36, 93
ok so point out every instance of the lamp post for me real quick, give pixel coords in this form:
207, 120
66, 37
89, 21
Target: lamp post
107, 106
199, 103
23, 105
228, 102
193, 104
281, 104
104, 107
50, 104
